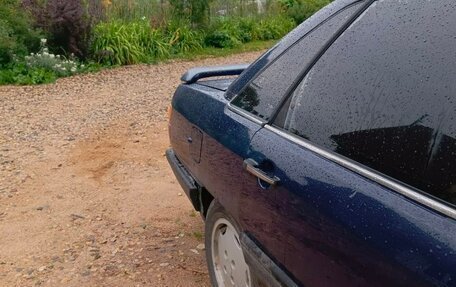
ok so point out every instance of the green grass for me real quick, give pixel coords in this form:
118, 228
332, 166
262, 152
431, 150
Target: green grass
198, 235
223, 52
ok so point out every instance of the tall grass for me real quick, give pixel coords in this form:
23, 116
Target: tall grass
125, 43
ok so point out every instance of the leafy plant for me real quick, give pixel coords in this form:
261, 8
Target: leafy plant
221, 39
57, 64
16, 34
67, 23
182, 38
300, 10
120, 43
42, 67
231, 32
20, 73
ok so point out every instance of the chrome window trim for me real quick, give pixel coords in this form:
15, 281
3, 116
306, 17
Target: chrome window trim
372, 175
245, 114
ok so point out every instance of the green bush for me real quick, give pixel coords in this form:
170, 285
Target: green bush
231, 32
274, 28
21, 74
57, 64
221, 39
125, 43
182, 39
67, 23
39, 68
300, 10
16, 34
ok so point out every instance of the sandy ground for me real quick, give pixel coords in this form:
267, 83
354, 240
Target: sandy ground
86, 195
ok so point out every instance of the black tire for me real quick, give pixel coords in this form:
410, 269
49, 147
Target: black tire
214, 214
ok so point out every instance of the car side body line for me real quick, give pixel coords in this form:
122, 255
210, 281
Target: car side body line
263, 265
408, 192
245, 114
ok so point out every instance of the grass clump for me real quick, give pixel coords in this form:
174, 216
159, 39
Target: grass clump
126, 43
232, 32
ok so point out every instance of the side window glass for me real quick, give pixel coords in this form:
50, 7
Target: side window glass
384, 95
263, 95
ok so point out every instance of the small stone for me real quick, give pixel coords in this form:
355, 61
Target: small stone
42, 268
179, 194
75, 216
194, 251
200, 246
164, 264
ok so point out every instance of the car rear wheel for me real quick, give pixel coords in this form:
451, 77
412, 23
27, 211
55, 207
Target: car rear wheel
226, 263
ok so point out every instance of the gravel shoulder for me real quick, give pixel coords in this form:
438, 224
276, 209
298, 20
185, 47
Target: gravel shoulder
86, 194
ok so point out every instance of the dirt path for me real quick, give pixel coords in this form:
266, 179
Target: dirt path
86, 194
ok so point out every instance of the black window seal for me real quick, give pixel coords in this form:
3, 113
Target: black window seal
421, 197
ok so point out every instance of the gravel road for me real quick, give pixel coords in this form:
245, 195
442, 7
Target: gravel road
86, 195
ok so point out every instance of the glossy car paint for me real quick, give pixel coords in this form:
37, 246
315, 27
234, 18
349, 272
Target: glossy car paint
344, 226
323, 224
225, 145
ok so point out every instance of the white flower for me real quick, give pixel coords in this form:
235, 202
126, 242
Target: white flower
63, 69
73, 69
43, 41
46, 50
32, 54
143, 18
82, 66
52, 56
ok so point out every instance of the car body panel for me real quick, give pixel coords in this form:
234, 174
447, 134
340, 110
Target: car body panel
338, 226
324, 224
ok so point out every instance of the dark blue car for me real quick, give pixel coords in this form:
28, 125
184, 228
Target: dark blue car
331, 160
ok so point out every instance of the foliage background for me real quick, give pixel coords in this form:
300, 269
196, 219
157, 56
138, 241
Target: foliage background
36, 36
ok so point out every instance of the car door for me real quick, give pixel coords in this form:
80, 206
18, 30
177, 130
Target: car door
257, 203
361, 153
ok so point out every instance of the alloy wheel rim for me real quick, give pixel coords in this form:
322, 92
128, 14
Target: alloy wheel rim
228, 261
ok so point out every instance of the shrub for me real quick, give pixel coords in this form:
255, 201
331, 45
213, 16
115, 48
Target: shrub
67, 23
182, 38
274, 28
42, 67
221, 39
120, 43
300, 10
16, 35
231, 32
57, 64
196, 11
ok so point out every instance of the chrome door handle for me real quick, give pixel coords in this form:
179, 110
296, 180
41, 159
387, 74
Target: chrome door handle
251, 167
